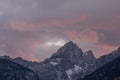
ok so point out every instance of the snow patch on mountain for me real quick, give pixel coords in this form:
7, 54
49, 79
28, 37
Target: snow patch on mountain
76, 67
54, 63
69, 73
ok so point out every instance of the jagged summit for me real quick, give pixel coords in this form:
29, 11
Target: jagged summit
70, 46
69, 43
88, 52
69, 49
70, 54
89, 57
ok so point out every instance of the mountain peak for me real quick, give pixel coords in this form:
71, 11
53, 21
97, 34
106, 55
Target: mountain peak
70, 43
89, 57
69, 47
88, 53
70, 54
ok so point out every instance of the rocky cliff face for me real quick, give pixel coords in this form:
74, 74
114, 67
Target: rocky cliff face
69, 55
110, 71
89, 57
106, 67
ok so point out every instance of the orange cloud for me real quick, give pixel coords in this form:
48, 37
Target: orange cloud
26, 55
89, 35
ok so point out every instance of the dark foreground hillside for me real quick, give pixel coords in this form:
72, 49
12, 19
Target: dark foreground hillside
110, 71
13, 71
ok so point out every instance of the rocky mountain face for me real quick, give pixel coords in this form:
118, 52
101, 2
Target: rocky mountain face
13, 71
68, 63
89, 57
65, 64
103, 67
110, 71
69, 55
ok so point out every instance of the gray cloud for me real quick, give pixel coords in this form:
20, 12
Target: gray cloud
39, 21
108, 37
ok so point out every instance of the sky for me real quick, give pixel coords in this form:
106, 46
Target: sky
35, 29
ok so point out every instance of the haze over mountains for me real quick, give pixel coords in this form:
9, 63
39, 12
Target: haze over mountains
68, 63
